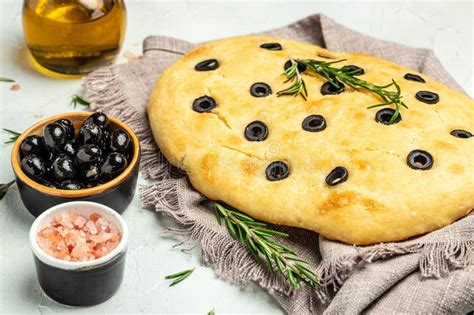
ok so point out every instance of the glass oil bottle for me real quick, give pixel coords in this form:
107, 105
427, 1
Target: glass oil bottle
74, 36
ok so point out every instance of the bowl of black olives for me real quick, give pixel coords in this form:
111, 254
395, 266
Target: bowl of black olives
76, 156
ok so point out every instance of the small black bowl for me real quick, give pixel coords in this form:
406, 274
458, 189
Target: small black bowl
116, 193
80, 283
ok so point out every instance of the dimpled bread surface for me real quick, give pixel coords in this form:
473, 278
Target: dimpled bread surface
383, 198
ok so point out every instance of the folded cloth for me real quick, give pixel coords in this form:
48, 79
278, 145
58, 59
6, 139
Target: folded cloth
430, 274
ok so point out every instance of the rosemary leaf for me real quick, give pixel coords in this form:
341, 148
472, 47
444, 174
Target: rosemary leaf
241, 234
269, 261
305, 271
379, 105
13, 135
241, 216
255, 223
260, 241
179, 276
341, 75
281, 267
295, 259
231, 229
4, 188
299, 86
250, 242
291, 276
76, 99
251, 245
6, 80
283, 248
271, 232
218, 217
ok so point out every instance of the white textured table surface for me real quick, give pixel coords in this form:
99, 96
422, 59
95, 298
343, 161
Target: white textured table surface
447, 28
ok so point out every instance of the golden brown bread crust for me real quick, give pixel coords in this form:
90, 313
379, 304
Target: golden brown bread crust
383, 199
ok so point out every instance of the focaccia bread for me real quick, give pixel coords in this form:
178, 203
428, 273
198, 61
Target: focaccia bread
328, 163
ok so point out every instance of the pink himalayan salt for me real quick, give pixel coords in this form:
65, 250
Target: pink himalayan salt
80, 221
74, 237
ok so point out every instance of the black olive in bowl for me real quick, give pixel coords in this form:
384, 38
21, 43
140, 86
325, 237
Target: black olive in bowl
68, 126
55, 176
63, 168
88, 154
119, 141
33, 166
90, 134
55, 136
99, 119
33, 145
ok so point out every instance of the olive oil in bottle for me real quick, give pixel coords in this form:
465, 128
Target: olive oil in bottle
74, 36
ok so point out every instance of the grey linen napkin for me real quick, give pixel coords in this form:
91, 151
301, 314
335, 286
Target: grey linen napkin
430, 274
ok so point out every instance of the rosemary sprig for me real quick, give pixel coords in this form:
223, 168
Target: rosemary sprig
212, 312
76, 99
4, 188
344, 75
292, 74
13, 135
179, 276
260, 240
6, 80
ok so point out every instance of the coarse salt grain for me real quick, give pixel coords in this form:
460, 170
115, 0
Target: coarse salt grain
74, 237
90, 225
80, 221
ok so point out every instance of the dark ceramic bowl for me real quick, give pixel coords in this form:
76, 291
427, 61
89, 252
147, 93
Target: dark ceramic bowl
82, 283
117, 193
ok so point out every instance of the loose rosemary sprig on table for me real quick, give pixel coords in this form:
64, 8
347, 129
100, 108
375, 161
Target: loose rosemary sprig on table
341, 75
13, 135
6, 80
76, 99
4, 188
179, 276
260, 240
